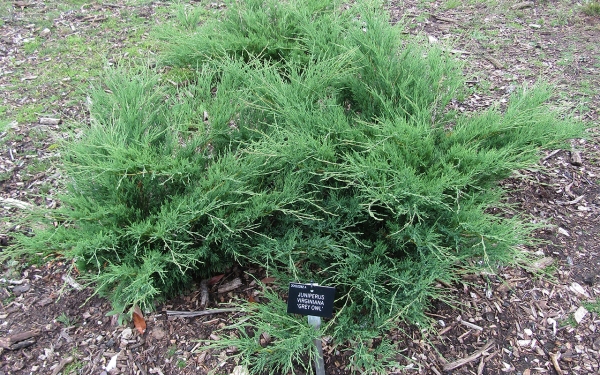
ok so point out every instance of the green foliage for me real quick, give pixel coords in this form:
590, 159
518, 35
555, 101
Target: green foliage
32, 45
592, 8
4, 122
287, 340
66, 320
307, 138
268, 340
368, 358
189, 17
592, 306
171, 351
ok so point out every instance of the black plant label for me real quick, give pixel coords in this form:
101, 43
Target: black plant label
310, 299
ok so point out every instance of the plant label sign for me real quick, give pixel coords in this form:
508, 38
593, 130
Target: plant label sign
310, 299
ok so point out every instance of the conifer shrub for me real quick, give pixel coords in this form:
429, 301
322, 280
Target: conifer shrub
308, 138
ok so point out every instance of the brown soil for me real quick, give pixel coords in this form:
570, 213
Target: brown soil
531, 321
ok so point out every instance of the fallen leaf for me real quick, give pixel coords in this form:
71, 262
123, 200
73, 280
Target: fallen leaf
580, 314
267, 280
138, 320
71, 281
112, 364
542, 263
215, 279
575, 287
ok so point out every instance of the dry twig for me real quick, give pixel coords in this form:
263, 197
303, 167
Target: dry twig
471, 325
204, 293
497, 64
62, 364
445, 19
8, 342
228, 287
471, 358
15, 203
554, 359
191, 314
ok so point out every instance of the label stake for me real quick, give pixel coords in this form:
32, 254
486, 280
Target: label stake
315, 321
313, 301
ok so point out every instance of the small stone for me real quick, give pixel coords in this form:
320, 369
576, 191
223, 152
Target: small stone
563, 231
576, 158
48, 353
126, 334
158, 334
45, 32
567, 356
45, 301
589, 279
49, 121
18, 365
20, 289
553, 323
110, 343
